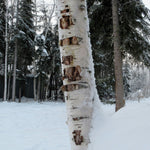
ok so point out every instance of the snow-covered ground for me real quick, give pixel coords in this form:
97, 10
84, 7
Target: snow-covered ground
41, 126
33, 126
128, 129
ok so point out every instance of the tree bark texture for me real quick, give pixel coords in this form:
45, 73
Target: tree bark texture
77, 70
6, 52
119, 91
15, 60
14, 72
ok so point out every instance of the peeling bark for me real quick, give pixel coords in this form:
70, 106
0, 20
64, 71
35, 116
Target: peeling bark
69, 41
66, 22
72, 87
78, 139
77, 69
72, 73
67, 60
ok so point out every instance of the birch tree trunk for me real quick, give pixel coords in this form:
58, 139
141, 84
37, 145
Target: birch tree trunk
77, 69
15, 61
117, 58
14, 73
34, 64
6, 52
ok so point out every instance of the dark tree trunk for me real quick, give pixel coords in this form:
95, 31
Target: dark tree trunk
56, 89
9, 84
39, 89
117, 58
19, 94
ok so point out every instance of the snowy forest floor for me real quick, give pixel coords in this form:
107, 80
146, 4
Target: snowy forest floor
41, 126
127, 129
33, 126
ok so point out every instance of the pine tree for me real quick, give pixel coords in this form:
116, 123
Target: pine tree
22, 40
26, 35
55, 67
2, 27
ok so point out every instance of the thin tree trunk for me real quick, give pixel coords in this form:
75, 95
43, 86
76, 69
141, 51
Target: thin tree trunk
77, 69
9, 80
35, 91
49, 20
19, 95
47, 89
50, 86
6, 52
39, 89
15, 60
34, 64
14, 73
56, 93
117, 58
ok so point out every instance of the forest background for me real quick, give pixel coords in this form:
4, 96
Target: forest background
33, 64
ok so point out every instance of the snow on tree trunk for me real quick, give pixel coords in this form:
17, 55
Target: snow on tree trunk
77, 70
117, 58
6, 52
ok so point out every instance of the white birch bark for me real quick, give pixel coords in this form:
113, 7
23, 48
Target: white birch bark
77, 69
34, 64
6, 52
15, 60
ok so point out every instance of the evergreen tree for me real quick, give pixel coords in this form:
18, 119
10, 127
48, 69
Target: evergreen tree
48, 63
2, 27
134, 31
26, 34
54, 62
22, 40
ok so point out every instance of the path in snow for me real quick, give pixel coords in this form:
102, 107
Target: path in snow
33, 126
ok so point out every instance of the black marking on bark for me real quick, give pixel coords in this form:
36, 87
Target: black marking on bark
77, 137
65, 10
66, 97
79, 118
82, 7
73, 107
